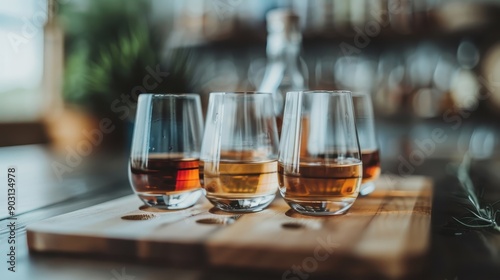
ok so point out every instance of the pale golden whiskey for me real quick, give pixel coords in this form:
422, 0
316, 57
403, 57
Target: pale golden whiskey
237, 179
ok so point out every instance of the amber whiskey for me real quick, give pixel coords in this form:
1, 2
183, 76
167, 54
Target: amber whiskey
320, 180
165, 175
371, 165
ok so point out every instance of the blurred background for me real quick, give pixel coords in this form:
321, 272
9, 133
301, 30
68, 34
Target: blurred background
65, 65
71, 71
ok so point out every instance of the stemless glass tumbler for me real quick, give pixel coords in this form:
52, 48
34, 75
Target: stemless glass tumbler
164, 160
365, 124
238, 160
319, 165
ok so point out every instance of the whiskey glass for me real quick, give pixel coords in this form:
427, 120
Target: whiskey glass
238, 159
319, 164
164, 159
365, 124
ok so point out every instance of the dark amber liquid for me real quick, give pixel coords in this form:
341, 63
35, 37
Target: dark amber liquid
165, 175
371, 165
321, 180
279, 124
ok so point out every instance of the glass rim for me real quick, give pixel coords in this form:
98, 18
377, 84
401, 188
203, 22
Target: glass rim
176, 95
334, 92
240, 93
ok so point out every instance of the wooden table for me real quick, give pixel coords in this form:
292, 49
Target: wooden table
453, 254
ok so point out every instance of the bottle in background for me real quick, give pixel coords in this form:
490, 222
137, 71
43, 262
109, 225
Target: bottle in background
284, 71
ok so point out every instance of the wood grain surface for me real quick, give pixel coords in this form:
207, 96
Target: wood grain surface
383, 235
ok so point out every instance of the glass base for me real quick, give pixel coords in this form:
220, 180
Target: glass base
366, 188
247, 204
334, 206
174, 201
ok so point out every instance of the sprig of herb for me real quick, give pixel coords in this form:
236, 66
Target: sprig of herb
482, 217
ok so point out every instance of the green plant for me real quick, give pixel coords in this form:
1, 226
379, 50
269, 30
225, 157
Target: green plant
109, 47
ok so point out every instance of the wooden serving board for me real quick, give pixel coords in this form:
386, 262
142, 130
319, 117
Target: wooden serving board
384, 234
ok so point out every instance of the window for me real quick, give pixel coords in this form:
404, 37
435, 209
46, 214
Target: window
21, 59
